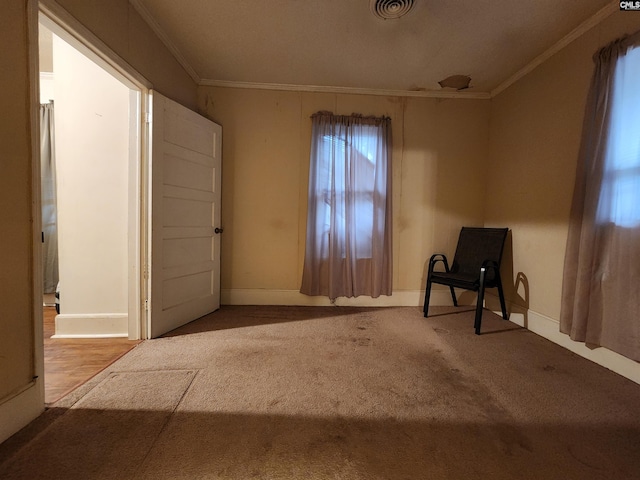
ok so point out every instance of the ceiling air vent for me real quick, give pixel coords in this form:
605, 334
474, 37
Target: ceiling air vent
388, 9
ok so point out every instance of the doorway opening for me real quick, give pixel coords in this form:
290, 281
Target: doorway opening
92, 210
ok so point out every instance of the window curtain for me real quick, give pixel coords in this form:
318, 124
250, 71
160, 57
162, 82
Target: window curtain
601, 294
48, 198
348, 242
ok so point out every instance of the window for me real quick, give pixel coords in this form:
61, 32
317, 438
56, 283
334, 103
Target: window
619, 200
600, 302
334, 189
348, 246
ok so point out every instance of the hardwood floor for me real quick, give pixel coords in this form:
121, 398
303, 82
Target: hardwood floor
68, 363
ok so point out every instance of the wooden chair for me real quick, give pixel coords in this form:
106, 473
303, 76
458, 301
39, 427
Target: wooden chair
476, 266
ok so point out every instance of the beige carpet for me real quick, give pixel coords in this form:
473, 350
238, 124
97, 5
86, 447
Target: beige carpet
339, 393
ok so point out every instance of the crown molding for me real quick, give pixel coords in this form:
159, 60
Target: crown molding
164, 38
346, 90
577, 32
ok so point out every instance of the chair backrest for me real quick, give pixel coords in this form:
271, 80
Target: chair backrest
475, 245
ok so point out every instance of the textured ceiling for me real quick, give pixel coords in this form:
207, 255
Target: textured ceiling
340, 43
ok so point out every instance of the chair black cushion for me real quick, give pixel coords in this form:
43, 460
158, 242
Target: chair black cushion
463, 280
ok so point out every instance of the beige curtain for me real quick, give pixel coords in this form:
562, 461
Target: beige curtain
348, 243
601, 289
48, 198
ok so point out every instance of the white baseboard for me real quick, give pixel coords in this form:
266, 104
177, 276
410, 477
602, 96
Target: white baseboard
400, 298
549, 328
102, 325
20, 410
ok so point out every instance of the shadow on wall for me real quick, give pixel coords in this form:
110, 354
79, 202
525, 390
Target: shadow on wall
516, 286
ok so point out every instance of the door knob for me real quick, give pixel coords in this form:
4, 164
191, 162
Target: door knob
218, 230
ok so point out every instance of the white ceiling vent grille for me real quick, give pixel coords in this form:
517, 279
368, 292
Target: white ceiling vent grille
388, 9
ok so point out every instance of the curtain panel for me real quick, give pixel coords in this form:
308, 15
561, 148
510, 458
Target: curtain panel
348, 242
48, 198
600, 297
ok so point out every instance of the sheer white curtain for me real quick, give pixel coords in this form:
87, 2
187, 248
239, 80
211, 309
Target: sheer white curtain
48, 198
348, 243
601, 297
619, 200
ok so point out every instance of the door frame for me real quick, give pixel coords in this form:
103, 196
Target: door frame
52, 15
27, 403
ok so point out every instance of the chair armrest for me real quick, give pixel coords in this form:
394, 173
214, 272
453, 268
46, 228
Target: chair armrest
438, 257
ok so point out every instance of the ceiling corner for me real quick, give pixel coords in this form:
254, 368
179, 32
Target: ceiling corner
580, 30
164, 38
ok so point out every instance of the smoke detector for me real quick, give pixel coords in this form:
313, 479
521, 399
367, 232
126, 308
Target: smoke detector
388, 9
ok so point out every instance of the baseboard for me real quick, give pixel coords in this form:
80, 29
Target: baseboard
102, 325
549, 328
399, 298
21, 409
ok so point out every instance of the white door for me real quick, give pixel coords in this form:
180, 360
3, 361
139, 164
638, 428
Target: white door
185, 216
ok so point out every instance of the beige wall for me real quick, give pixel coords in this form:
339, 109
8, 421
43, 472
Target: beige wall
92, 166
16, 288
535, 134
440, 149
21, 394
